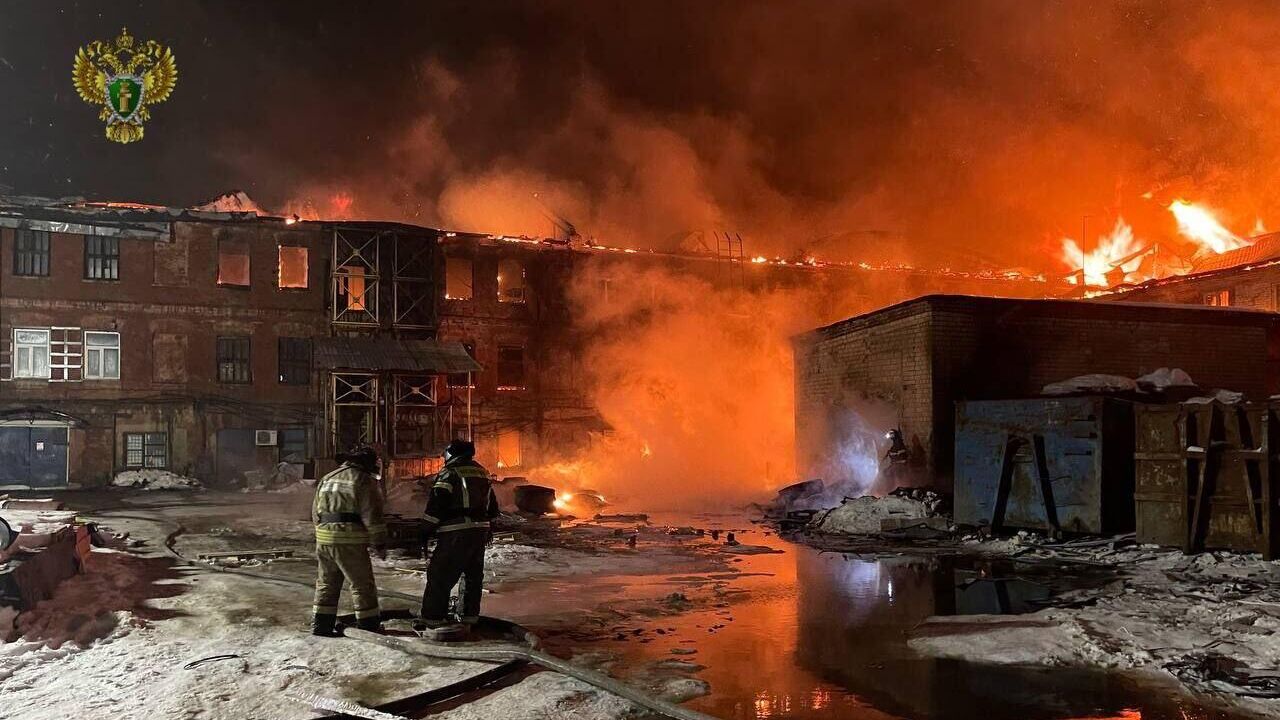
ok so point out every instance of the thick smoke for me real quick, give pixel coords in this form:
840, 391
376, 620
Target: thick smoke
956, 134
695, 381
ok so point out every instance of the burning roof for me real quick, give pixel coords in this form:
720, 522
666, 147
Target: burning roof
1263, 248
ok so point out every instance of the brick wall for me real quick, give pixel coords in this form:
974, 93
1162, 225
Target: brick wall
1255, 288
878, 372
924, 355
168, 309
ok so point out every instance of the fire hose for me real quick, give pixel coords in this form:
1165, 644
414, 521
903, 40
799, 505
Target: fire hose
509, 656
507, 653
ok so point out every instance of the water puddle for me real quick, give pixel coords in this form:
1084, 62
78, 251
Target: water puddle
809, 635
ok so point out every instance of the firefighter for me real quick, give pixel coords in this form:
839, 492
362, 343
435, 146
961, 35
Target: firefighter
347, 513
459, 511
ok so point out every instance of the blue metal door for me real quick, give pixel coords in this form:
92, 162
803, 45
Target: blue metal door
33, 456
48, 457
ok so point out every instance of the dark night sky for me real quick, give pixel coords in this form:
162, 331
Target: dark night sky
976, 129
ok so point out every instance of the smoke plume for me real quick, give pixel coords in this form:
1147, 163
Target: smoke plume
962, 134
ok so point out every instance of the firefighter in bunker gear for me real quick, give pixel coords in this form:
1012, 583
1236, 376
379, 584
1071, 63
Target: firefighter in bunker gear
347, 513
459, 510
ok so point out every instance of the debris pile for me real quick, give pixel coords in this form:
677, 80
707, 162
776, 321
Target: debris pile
44, 548
869, 515
284, 477
155, 480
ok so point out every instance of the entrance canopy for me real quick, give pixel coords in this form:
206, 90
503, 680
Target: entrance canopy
39, 416
377, 353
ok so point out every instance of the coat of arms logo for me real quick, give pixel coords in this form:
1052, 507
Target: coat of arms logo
124, 78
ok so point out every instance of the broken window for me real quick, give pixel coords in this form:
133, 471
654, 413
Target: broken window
351, 287
295, 361
458, 278
233, 360
233, 266
146, 450
1218, 298
510, 281
509, 448
30, 253
510, 367
293, 266
102, 355
464, 380
30, 353
101, 258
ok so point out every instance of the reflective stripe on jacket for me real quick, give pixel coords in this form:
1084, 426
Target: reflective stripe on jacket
461, 497
352, 491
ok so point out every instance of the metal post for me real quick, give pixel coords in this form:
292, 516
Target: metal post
470, 425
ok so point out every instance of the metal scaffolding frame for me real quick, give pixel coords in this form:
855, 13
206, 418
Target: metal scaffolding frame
356, 277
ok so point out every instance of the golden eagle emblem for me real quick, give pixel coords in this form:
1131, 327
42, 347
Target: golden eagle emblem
124, 79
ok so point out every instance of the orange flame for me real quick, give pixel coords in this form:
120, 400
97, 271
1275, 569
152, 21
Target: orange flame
1116, 258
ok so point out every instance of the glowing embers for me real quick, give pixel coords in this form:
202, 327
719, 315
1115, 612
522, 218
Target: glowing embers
582, 502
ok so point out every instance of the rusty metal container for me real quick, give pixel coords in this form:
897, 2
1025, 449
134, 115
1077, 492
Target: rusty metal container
1206, 475
1054, 464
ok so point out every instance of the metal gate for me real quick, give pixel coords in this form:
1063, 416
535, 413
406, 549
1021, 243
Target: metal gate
33, 456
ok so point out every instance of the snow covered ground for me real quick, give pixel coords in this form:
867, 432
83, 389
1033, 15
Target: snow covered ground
119, 638
1210, 620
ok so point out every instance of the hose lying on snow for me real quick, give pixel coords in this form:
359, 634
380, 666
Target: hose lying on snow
506, 653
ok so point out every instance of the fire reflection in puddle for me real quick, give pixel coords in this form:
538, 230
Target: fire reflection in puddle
810, 635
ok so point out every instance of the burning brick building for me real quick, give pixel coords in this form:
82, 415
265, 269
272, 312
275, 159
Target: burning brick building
1247, 277
227, 345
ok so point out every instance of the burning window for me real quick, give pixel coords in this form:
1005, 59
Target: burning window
233, 266
352, 287
458, 278
1218, 298
464, 380
509, 448
293, 266
511, 367
510, 281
